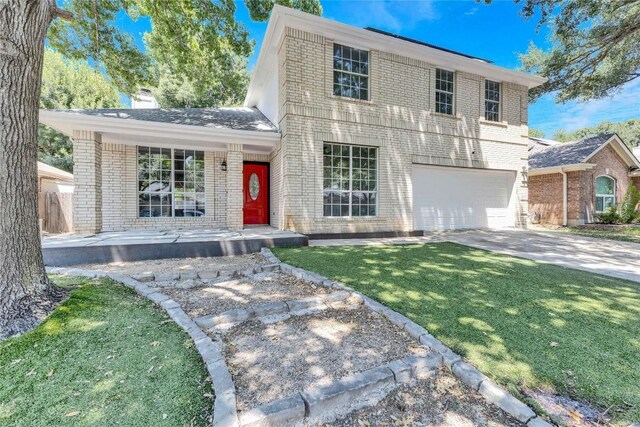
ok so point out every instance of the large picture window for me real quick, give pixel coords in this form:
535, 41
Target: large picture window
605, 193
170, 182
350, 180
350, 72
492, 101
444, 91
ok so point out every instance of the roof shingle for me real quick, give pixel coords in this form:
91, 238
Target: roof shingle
240, 118
566, 154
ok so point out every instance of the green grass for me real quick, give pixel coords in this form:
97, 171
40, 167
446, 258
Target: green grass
625, 234
105, 357
502, 314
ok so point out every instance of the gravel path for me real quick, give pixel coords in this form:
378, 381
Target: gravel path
181, 265
241, 293
269, 362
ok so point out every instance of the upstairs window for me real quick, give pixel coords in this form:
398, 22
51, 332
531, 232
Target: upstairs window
444, 91
170, 183
492, 101
350, 72
605, 193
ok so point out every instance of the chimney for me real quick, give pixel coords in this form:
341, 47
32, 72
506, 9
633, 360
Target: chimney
144, 99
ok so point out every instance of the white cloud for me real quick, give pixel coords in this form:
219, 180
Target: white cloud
471, 11
549, 117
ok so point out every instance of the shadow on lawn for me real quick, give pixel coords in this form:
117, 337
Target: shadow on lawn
529, 325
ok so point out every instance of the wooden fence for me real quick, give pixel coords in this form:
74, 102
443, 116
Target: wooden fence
56, 212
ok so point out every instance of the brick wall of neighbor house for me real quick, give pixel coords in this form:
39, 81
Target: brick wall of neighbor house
120, 197
608, 162
399, 120
545, 198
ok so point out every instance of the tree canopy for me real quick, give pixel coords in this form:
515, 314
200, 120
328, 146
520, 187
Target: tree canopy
628, 131
536, 133
69, 84
194, 38
595, 47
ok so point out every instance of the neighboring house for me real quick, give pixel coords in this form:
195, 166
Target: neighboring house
54, 180
344, 130
570, 183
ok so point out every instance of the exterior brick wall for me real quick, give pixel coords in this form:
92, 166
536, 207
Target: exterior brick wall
399, 120
545, 198
87, 169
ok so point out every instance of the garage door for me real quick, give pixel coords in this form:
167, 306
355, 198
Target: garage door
447, 198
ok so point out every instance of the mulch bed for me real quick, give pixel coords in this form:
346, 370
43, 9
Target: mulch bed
438, 401
273, 361
241, 293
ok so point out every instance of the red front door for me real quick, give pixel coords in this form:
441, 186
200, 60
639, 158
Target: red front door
255, 185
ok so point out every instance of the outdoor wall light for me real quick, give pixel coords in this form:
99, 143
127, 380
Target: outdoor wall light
223, 166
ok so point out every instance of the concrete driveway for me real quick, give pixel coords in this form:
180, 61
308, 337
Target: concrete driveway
608, 257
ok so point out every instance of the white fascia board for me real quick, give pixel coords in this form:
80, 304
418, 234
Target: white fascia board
282, 17
66, 123
621, 149
559, 169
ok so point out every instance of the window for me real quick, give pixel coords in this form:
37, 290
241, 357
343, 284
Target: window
350, 72
605, 193
350, 183
170, 182
444, 91
492, 101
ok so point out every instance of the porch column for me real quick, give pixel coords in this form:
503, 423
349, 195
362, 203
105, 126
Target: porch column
87, 179
235, 219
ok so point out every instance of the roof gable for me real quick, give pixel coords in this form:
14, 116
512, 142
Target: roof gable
572, 153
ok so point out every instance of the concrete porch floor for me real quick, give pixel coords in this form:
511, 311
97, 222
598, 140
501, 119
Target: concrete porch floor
138, 245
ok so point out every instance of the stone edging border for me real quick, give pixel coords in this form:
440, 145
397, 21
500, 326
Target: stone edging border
467, 373
224, 406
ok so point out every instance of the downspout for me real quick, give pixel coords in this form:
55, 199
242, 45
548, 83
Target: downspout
565, 198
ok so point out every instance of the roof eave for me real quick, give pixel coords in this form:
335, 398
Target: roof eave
67, 122
620, 148
559, 169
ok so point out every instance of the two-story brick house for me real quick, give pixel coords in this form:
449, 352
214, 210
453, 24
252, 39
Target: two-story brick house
344, 130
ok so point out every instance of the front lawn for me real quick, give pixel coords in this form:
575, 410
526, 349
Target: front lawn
526, 324
105, 357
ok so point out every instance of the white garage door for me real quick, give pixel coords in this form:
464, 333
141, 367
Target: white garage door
448, 197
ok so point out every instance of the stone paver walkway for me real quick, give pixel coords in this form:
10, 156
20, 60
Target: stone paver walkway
285, 346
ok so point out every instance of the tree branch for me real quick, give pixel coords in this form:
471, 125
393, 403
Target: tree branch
62, 14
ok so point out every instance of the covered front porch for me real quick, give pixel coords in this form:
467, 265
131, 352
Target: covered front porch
170, 169
138, 245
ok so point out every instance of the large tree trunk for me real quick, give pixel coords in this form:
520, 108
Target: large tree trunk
23, 281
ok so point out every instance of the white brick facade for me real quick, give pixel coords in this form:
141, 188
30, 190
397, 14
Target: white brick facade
398, 118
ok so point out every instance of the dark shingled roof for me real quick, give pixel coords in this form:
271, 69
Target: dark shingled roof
220, 118
567, 154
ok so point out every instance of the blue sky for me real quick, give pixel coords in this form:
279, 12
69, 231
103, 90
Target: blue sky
495, 32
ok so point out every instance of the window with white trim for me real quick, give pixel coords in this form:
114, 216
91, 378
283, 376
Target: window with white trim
350, 72
350, 180
492, 100
605, 193
444, 91
170, 182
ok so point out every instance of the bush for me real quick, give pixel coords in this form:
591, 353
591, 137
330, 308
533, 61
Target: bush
629, 203
610, 216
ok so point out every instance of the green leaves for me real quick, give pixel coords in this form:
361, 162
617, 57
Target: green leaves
595, 47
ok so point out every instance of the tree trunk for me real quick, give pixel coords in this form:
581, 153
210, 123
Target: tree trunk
23, 281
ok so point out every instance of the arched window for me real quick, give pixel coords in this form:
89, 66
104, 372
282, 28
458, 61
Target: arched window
605, 193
